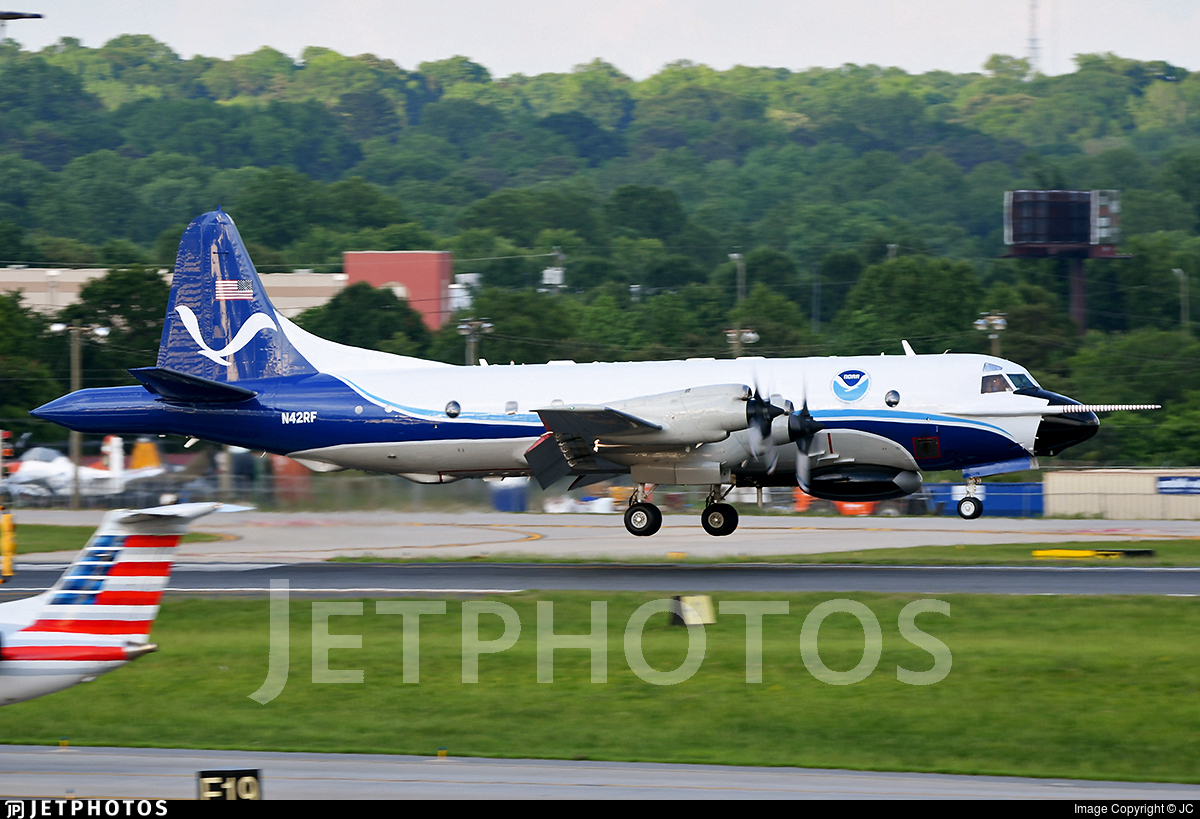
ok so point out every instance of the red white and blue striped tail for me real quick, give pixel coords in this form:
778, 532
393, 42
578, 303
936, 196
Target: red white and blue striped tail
113, 588
98, 615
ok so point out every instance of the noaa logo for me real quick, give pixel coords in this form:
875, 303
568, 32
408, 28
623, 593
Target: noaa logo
245, 334
851, 385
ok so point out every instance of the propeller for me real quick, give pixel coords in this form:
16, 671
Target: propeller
802, 428
760, 413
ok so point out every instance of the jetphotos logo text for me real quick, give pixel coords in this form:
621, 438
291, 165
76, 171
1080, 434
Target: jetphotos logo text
851, 385
596, 641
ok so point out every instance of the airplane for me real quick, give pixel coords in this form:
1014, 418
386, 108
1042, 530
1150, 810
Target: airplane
42, 472
97, 616
233, 370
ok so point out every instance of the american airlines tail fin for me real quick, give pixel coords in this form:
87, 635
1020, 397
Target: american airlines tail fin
113, 587
220, 325
98, 615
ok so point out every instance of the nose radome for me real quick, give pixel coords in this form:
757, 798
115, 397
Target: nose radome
1058, 432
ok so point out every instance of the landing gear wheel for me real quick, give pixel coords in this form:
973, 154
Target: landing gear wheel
643, 519
970, 508
719, 520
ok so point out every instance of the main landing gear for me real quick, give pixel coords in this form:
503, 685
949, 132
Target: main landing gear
970, 507
719, 519
643, 518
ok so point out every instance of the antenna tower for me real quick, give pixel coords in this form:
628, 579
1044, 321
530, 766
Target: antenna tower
1034, 48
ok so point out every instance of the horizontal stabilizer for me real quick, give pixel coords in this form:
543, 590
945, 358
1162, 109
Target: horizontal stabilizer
181, 388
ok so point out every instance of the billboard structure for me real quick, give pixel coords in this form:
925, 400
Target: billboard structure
421, 277
1072, 225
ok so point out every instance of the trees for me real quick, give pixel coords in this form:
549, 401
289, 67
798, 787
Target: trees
365, 316
931, 302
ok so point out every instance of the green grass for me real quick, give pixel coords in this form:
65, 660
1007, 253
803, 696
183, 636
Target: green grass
38, 537
1087, 687
1175, 552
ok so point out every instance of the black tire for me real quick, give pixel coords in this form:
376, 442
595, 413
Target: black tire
719, 520
970, 508
888, 509
643, 519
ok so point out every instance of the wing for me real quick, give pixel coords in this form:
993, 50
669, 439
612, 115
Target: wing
609, 439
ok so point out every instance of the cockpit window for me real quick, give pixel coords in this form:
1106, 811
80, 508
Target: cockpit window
1022, 381
995, 383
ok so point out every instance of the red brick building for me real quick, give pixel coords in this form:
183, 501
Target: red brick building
422, 277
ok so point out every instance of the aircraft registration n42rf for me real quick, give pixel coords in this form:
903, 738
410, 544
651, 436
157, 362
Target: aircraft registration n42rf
234, 371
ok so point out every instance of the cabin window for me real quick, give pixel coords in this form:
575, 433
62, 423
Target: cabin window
995, 383
510, 408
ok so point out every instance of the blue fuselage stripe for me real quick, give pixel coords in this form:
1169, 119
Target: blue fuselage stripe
316, 411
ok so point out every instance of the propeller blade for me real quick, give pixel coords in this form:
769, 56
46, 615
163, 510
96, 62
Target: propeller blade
760, 413
802, 428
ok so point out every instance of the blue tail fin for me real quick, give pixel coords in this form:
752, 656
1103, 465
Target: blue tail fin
220, 324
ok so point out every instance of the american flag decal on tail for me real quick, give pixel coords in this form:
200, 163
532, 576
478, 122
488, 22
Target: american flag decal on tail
234, 290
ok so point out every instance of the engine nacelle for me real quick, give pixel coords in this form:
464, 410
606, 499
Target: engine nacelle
863, 482
701, 415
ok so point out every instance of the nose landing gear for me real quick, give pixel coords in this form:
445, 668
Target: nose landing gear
970, 507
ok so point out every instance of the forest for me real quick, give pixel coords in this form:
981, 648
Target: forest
866, 203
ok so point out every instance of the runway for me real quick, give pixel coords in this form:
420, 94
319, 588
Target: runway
299, 537
151, 773
498, 578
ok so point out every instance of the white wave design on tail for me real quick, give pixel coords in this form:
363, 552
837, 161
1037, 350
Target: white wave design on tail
256, 322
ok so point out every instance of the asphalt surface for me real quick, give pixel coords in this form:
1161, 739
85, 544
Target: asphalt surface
301, 537
260, 547
485, 578
154, 773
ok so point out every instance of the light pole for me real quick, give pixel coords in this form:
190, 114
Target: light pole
993, 324
6, 16
1185, 317
739, 336
76, 332
473, 329
741, 275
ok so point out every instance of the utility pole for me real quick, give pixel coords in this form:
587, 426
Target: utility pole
993, 324
76, 333
473, 329
1185, 317
76, 436
741, 275
739, 336
816, 303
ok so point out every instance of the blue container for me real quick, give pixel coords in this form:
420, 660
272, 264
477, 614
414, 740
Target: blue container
509, 496
1012, 500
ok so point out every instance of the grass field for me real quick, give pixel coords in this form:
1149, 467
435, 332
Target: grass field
1087, 687
1175, 552
37, 537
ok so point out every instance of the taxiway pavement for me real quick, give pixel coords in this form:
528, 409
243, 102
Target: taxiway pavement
297, 537
156, 773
